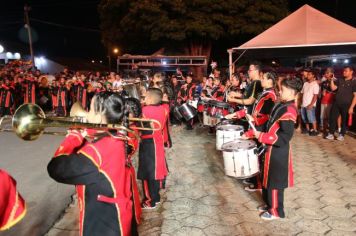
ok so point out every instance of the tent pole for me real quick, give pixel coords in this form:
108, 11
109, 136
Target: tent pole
230, 51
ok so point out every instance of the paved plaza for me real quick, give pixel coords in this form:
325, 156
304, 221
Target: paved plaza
201, 200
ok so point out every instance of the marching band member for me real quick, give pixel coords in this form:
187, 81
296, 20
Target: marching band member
260, 115
186, 93
175, 85
218, 90
166, 134
277, 170
152, 168
29, 85
98, 166
248, 98
6, 98
12, 205
81, 93
62, 98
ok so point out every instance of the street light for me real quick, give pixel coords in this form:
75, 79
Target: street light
116, 50
9, 55
1, 49
17, 55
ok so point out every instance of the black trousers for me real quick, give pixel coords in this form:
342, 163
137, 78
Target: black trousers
151, 191
274, 199
336, 110
4, 111
61, 111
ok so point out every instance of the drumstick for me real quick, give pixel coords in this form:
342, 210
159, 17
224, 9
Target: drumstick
250, 123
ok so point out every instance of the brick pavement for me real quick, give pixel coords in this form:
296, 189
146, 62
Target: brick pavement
201, 200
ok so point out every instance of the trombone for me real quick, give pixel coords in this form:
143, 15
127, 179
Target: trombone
77, 113
29, 123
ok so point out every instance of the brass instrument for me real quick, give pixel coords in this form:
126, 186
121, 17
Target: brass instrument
29, 122
77, 113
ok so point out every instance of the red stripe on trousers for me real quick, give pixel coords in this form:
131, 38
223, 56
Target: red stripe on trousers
147, 193
274, 202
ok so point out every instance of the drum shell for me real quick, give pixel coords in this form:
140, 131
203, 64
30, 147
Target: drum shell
218, 109
239, 162
176, 113
188, 112
227, 133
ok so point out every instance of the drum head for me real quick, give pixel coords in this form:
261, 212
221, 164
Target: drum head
222, 104
226, 122
213, 102
238, 145
230, 127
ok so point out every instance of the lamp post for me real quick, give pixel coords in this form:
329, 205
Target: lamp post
115, 51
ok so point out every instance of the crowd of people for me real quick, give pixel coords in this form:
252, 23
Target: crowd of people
107, 187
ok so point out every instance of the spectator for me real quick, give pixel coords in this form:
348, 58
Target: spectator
310, 93
345, 101
327, 98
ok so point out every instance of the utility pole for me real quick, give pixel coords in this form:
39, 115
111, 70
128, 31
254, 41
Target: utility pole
27, 25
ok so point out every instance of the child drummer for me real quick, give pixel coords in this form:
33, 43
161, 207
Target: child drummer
278, 169
259, 116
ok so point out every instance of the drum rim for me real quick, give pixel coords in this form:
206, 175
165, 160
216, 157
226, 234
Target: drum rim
219, 127
244, 177
237, 149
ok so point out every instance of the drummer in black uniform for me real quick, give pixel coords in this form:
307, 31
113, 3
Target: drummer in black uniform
248, 98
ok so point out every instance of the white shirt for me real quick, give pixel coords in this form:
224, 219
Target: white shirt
308, 91
117, 84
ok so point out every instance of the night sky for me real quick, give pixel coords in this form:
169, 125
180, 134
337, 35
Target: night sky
83, 41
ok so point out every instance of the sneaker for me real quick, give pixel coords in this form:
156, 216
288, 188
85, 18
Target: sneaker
340, 137
262, 208
268, 216
330, 137
251, 188
189, 128
147, 207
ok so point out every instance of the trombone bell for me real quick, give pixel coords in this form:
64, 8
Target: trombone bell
27, 121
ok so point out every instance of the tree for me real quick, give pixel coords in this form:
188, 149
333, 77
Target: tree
191, 25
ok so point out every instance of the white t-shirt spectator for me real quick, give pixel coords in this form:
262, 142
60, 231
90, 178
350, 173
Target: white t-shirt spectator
309, 90
117, 84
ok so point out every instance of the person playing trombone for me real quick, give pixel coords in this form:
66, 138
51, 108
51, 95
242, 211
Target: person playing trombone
96, 163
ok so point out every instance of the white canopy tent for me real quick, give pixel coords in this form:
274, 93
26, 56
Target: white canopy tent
305, 32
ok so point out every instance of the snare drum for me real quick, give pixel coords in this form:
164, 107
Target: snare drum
177, 114
218, 109
206, 119
227, 133
240, 159
202, 105
193, 103
188, 112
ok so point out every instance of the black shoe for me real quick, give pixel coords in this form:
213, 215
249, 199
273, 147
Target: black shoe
189, 128
313, 133
304, 131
